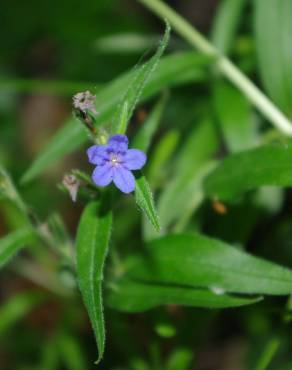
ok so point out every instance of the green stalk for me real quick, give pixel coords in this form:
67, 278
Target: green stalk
223, 64
268, 354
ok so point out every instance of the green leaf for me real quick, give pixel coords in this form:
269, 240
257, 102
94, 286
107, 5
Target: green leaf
126, 43
237, 124
8, 191
144, 199
132, 296
91, 247
226, 23
71, 352
11, 244
240, 172
198, 261
136, 87
180, 359
50, 359
192, 196
43, 86
17, 307
144, 136
172, 70
165, 330
122, 123
65, 141
273, 28
180, 192
162, 151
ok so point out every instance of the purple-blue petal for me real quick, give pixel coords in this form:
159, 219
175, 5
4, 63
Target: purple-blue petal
103, 175
134, 159
97, 154
118, 143
124, 179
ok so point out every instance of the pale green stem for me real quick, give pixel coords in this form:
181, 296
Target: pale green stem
268, 354
224, 65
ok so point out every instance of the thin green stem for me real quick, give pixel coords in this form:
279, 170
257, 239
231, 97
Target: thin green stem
268, 354
224, 65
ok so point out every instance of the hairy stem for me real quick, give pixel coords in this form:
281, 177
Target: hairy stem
224, 65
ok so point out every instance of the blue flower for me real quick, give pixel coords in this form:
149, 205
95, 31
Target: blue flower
114, 162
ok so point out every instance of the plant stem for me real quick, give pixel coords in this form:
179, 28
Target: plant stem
268, 354
224, 65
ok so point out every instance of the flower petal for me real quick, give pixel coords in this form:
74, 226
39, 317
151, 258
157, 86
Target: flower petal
97, 154
134, 159
102, 175
124, 179
118, 143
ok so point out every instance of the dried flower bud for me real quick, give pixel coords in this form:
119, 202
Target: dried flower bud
84, 102
72, 184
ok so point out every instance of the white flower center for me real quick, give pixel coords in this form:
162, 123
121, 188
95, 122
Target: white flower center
115, 159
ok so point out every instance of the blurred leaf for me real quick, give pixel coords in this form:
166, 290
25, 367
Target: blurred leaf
172, 70
273, 29
180, 359
165, 330
137, 85
122, 121
144, 199
240, 172
144, 136
8, 191
126, 43
17, 307
50, 359
14, 242
139, 364
65, 141
271, 347
199, 147
91, 247
226, 23
235, 117
71, 353
44, 86
198, 261
193, 196
133, 296
162, 152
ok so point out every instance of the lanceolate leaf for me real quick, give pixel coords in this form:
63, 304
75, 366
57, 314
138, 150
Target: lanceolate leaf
133, 296
172, 70
240, 172
8, 190
226, 23
71, 351
91, 248
17, 307
183, 187
137, 85
143, 138
237, 124
145, 201
66, 140
273, 28
14, 242
195, 260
